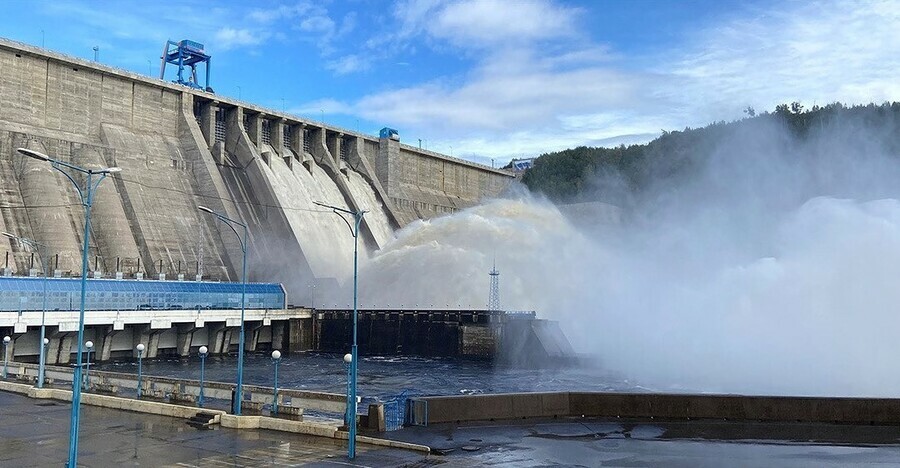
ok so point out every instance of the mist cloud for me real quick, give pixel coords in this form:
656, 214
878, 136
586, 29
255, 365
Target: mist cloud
771, 269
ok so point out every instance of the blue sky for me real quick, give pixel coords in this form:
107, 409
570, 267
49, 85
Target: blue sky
500, 79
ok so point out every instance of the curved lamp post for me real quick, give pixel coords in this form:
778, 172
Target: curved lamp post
140, 350
92, 180
238, 395
45, 262
351, 397
203, 351
276, 358
87, 370
6, 340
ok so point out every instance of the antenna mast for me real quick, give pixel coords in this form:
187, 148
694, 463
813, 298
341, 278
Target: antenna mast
494, 298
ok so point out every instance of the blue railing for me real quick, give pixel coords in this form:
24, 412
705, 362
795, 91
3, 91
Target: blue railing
395, 411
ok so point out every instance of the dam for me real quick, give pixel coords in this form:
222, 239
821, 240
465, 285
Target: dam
179, 147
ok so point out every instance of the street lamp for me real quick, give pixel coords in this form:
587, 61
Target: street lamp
276, 358
140, 351
6, 340
203, 351
87, 372
93, 177
348, 358
45, 261
351, 400
238, 396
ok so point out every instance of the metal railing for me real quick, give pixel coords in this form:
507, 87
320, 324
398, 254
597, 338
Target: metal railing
183, 391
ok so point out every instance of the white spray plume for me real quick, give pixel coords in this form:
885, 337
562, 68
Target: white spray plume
772, 270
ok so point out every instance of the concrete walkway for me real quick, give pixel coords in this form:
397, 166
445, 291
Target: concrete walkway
36, 433
584, 442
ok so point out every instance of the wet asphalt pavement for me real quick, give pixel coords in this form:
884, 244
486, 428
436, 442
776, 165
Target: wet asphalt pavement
35, 433
588, 443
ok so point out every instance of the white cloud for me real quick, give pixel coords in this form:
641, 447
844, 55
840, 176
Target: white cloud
317, 24
227, 38
315, 110
500, 99
489, 22
281, 12
348, 24
480, 24
348, 64
536, 88
813, 52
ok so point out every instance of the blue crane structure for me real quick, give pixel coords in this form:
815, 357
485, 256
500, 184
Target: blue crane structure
184, 54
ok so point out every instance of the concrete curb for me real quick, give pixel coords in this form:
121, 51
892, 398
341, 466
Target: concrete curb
344, 435
275, 424
111, 402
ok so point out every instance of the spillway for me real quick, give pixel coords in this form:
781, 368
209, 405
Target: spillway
324, 238
377, 216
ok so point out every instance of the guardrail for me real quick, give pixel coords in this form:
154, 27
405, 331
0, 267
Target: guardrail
186, 391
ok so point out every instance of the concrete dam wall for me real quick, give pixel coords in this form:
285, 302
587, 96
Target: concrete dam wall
179, 148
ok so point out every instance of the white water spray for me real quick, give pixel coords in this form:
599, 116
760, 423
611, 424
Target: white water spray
771, 271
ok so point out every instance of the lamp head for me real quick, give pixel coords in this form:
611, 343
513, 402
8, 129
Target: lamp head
203, 350
276, 355
11, 236
203, 208
113, 170
140, 347
89, 344
6, 339
46, 341
33, 154
348, 358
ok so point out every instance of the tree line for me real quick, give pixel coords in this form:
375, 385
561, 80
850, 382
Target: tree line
605, 174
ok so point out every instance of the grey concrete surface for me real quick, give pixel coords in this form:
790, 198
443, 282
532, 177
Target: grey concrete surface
35, 433
644, 405
593, 442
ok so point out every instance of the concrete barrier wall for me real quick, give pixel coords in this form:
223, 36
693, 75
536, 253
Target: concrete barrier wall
187, 390
658, 406
498, 406
737, 407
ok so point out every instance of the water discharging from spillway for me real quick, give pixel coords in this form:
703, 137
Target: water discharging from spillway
376, 216
324, 238
771, 268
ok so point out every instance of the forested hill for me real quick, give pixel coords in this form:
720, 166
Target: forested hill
609, 174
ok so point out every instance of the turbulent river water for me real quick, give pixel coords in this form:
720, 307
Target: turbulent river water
383, 376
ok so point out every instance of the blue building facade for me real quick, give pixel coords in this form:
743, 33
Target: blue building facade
24, 293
